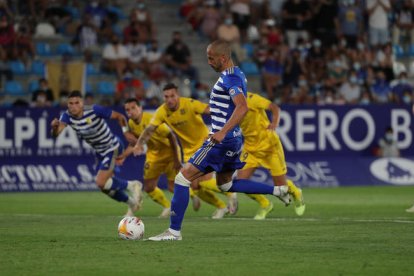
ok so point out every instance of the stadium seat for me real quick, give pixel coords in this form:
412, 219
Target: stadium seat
74, 12
13, 88
17, 67
38, 68
33, 85
398, 51
65, 48
88, 88
248, 47
117, 11
249, 68
106, 88
91, 70
43, 49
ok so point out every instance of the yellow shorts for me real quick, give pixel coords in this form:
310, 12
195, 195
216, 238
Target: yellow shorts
156, 169
273, 160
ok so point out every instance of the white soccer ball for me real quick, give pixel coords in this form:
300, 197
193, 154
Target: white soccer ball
131, 228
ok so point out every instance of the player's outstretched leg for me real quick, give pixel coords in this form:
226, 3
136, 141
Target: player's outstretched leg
248, 186
179, 205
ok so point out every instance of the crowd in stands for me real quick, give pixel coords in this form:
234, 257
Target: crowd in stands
303, 51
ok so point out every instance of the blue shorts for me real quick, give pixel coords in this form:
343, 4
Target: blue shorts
107, 162
223, 157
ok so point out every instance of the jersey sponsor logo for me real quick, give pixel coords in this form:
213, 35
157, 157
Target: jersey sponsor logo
396, 171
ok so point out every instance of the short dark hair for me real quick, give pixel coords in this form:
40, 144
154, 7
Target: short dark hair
132, 100
169, 86
75, 93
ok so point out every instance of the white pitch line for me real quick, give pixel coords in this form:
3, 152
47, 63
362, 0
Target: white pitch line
337, 219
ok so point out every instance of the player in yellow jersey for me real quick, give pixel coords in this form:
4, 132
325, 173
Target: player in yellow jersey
161, 156
262, 148
183, 116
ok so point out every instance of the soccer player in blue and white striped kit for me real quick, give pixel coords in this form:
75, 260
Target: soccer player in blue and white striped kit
220, 153
89, 124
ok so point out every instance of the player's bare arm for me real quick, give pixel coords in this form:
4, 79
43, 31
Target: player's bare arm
143, 139
174, 147
275, 110
122, 121
237, 116
57, 127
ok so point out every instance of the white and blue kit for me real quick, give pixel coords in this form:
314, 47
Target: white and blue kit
93, 129
224, 156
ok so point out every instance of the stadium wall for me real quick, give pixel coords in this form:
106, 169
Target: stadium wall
325, 146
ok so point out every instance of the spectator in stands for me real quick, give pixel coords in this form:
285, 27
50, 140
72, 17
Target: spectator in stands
229, 32
325, 21
210, 19
378, 21
350, 89
272, 72
271, 32
129, 87
294, 66
87, 35
24, 49
388, 144
401, 89
5, 9
144, 23
4, 67
7, 35
137, 53
154, 58
97, 11
337, 71
115, 57
316, 59
350, 20
300, 91
178, 58
43, 94
381, 91
240, 10
366, 97
404, 23
296, 15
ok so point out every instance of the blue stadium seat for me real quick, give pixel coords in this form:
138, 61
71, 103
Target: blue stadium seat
249, 49
106, 88
398, 51
411, 50
91, 70
38, 68
249, 68
117, 11
43, 49
17, 67
64, 48
13, 88
88, 88
33, 86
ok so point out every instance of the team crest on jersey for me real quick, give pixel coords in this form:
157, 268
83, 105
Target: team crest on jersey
88, 121
146, 166
182, 111
232, 92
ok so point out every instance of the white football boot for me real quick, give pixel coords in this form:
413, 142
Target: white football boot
166, 236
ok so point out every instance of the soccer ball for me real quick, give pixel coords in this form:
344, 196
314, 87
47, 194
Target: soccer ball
131, 228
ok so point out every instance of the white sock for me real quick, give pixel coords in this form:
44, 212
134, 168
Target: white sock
131, 201
276, 191
174, 232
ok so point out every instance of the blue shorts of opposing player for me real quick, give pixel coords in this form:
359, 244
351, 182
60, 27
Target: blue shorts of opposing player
223, 157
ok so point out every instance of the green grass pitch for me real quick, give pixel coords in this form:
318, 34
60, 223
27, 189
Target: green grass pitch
345, 231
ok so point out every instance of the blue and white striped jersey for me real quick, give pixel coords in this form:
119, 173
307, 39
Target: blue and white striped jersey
93, 129
230, 83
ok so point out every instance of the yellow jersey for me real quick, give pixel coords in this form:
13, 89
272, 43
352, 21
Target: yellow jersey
254, 125
159, 147
186, 122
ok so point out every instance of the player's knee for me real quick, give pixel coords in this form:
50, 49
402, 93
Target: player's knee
226, 186
181, 180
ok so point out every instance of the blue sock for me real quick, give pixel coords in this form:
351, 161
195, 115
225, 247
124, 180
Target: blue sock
250, 187
179, 204
119, 183
118, 195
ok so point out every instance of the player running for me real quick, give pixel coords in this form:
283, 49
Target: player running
262, 148
89, 124
161, 156
221, 152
